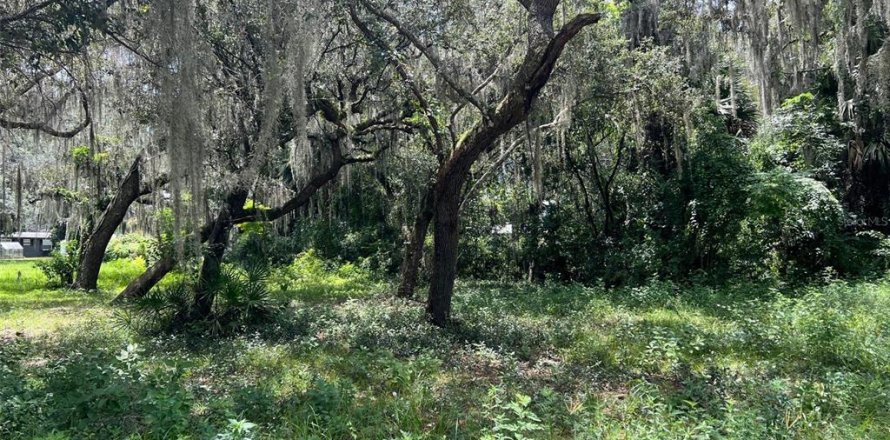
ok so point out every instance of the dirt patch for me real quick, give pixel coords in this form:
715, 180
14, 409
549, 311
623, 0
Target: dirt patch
9, 335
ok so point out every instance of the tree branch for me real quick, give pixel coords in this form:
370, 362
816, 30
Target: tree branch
429, 55
45, 128
26, 13
500, 160
406, 76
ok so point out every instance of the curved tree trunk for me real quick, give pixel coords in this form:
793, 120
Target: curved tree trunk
92, 249
513, 109
211, 266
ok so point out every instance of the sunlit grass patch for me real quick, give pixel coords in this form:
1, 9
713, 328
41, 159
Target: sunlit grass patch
28, 306
116, 274
20, 276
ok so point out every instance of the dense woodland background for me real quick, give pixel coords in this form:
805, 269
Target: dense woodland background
238, 149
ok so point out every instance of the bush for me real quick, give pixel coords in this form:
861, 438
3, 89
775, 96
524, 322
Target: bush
241, 300
60, 268
793, 227
311, 276
799, 138
131, 247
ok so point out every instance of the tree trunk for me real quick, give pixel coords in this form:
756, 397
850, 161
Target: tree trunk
414, 249
3, 216
92, 250
211, 266
148, 280
512, 110
447, 237
18, 200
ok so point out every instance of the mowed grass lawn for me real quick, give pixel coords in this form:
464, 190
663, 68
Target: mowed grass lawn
28, 306
523, 361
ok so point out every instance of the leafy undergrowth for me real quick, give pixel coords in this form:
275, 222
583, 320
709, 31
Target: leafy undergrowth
310, 278
521, 361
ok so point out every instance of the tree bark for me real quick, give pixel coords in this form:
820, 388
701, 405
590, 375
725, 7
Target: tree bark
513, 109
92, 250
3, 216
150, 278
446, 240
211, 266
414, 250
18, 199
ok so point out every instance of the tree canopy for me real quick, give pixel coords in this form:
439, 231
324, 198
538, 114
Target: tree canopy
567, 140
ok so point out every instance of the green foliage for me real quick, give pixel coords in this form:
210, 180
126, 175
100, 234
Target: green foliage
661, 360
92, 384
717, 181
309, 276
237, 430
81, 155
60, 267
256, 244
794, 224
161, 309
241, 299
800, 138
514, 420
69, 195
131, 246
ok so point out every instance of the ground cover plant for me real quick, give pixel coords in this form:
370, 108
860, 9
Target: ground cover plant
522, 361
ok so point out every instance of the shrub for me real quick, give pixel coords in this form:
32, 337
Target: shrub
799, 138
60, 268
241, 299
793, 227
130, 247
242, 296
514, 419
310, 276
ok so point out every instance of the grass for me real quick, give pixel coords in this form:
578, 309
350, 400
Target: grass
522, 361
26, 306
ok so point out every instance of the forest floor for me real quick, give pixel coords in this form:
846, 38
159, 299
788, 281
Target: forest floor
523, 361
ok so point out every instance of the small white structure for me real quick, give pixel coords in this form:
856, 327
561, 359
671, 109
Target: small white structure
503, 229
11, 250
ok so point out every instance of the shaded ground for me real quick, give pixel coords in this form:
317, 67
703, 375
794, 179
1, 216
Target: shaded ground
522, 362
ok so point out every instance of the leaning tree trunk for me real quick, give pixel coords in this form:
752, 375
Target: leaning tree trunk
537, 67
414, 250
217, 232
446, 207
150, 278
92, 249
